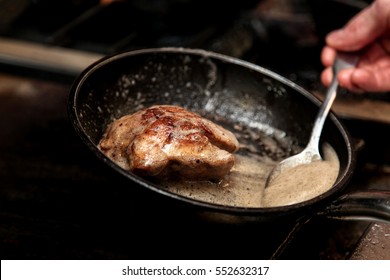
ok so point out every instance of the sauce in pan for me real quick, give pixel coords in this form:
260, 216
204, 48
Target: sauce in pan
242, 187
245, 185
304, 181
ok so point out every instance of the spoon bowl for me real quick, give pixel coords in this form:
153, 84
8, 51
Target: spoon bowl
311, 152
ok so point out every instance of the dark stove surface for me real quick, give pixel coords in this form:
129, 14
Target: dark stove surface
57, 201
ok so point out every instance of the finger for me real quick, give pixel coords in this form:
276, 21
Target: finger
326, 76
364, 80
328, 56
345, 79
371, 81
361, 30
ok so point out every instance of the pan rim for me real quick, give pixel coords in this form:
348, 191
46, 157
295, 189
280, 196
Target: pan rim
314, 202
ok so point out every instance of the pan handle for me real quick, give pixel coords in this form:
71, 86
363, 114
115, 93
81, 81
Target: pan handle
371, 205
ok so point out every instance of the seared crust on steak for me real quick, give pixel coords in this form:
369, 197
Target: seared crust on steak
168, 141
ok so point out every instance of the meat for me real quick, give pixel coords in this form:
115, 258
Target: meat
167, 141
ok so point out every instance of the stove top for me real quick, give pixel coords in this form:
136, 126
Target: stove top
59, 202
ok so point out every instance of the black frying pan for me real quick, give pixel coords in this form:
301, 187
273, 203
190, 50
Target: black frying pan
231, 92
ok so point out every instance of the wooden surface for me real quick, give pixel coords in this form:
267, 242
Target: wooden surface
51, 58
361, 107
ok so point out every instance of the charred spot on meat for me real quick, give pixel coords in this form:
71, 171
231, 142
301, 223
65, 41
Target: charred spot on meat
165, 141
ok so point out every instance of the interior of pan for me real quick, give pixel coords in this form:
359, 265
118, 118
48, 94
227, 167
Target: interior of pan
251, 101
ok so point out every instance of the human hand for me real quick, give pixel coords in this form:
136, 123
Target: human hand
369, 33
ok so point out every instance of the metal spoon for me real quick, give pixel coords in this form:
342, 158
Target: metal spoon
311, 152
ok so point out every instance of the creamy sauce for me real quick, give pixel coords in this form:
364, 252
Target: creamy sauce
245, 185
304, 181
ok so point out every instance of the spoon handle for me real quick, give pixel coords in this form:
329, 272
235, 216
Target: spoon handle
342, 61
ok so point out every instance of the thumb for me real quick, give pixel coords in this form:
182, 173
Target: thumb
362, 29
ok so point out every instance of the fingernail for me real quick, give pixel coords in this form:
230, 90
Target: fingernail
335, 36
